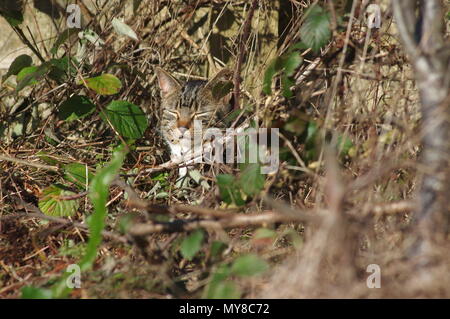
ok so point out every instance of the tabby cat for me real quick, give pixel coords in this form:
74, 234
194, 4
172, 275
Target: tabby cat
182, 104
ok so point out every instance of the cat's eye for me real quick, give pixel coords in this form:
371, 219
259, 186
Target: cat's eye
202, 114
172, 113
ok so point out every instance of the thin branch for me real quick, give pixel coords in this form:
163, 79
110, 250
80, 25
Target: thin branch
23, 162
237, 220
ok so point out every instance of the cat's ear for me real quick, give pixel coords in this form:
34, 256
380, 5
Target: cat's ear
167, 83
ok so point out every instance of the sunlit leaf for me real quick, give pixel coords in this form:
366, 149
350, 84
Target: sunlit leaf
31, 75
123, 29
53, 203
105, 84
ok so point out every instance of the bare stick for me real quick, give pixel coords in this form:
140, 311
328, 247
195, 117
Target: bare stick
238, 220
23, 162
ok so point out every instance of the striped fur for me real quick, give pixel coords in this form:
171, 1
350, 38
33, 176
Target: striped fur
182, 104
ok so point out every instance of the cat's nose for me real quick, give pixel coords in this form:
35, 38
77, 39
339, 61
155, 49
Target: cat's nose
182, 130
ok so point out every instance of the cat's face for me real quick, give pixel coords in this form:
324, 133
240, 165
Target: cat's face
184, 104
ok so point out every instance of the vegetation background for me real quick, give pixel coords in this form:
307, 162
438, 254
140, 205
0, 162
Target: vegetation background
85, 177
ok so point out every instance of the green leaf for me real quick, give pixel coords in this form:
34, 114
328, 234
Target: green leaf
251, 179
30, 292
344, 144
123, 29
22, 61
66, 34
218, 287
247, 144
26, 71
14, 17
192, 244
78, 174
288, 62
298, 46
126, 118
61, 68
75, 107
311, 135
249, 265
44, 156
52, 204
229, 189
105, 84
315, 31
31, 75
291, 63
217, 247
268, 76
262, 233
224, 290
286, 84
312, 142
98, 193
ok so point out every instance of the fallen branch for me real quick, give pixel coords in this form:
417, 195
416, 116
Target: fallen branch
236, 220
26, 163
